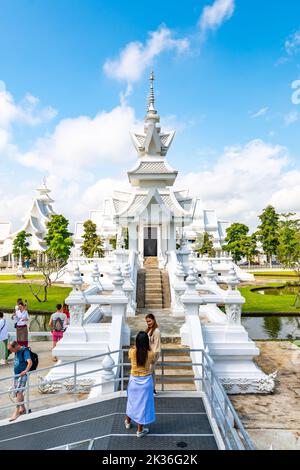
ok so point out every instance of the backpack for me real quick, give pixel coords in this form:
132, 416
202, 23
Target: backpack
58, 324
34, 357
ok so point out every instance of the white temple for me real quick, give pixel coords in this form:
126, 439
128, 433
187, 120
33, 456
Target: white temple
155, 214
35, 223
152, 271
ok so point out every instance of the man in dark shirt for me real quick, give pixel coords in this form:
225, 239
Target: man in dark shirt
22, 365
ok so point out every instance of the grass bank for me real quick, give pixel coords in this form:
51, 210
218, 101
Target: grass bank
275, 274
13, 277
10, 292
268, 304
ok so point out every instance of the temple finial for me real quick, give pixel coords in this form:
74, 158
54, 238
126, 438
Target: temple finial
151, 107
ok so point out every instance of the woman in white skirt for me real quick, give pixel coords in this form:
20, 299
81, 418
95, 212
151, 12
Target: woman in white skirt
140, 400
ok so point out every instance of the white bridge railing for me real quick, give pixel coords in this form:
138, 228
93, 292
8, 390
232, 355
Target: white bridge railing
219, 407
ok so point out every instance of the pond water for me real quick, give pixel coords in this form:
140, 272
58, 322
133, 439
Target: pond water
258, 328
272, 327
284, 290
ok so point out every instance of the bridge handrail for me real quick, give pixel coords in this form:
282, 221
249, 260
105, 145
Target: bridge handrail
222, 411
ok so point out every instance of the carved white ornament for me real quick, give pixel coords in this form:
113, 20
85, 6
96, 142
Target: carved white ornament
234, 313
76, 314
244, 385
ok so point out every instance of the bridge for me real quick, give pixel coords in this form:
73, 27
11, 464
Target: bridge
203, 419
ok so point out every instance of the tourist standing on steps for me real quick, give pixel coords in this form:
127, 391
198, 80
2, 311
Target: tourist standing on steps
58, 323
21, 318
3, 339
154, 340
140, 400
22, 365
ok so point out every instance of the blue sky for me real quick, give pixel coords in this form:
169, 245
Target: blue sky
225, 83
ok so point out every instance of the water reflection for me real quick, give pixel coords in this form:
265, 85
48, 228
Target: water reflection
282, 290
272, 327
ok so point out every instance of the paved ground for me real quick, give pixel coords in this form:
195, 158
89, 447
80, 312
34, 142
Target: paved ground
169, 325
274, 420
181, 424
45, 360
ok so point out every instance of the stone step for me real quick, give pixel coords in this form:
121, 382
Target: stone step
153, 306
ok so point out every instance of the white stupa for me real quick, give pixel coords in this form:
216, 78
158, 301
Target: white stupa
35, 223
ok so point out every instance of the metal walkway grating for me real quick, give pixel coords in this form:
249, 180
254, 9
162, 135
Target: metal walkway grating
181, 424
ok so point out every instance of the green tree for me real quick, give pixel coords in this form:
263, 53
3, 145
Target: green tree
288, 250
204, 245
58, 238
113, 241
20, 245
236, 241
93, 243
59, 243
250, 247
268, 231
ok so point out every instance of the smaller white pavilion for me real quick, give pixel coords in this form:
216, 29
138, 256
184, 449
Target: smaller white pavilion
35, 223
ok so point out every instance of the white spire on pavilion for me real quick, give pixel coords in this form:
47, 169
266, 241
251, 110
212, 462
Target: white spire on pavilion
152, 142
36, 220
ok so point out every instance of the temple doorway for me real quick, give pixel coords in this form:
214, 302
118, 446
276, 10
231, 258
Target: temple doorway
150, 241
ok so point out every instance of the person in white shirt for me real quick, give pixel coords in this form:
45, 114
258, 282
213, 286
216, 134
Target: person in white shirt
58, 324
3, 339
21, 318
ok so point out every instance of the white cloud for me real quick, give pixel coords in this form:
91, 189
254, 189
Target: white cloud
84, 143
259, 113
213, 16
136, 56
292, 44
291, 118
26, 112
244, 180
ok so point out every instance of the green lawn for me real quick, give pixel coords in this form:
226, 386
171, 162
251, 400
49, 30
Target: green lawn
275, 274
9, 293
13, 277
258, 303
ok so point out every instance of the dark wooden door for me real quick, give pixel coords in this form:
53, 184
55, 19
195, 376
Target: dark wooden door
150, 241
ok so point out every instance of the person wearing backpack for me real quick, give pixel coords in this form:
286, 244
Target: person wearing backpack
58, 323
23, 364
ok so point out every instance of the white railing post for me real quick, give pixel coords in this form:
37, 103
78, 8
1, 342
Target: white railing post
179, 287
108, 375
128, 289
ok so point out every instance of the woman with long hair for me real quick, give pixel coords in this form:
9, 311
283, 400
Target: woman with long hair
140, 400
154, 340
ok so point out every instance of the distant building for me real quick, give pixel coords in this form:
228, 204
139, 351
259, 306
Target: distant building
35, 224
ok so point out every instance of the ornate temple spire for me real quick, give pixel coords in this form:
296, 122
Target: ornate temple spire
152, 142
151, 107
44, 191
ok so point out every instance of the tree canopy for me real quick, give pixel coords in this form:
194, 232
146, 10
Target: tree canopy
288, 250
268, 231
58, 238
93, 243
20, 245
236, 241
204, 245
